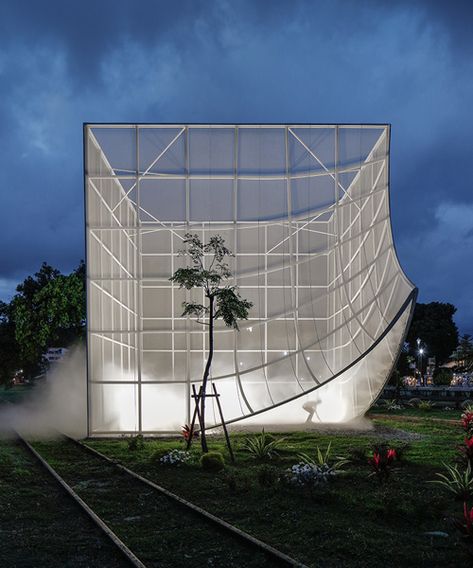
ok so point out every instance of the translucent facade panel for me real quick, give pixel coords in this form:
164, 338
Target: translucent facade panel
305, 209
211, 151
260, 200
211, 198
162, 199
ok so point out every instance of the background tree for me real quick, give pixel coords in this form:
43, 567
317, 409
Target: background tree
403, 363
464, 352
9, 351
48, 310
209, 271
443, 376
433, 324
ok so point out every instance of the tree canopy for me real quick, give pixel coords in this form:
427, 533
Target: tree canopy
48, 310
433, 324
464, 352
9, 358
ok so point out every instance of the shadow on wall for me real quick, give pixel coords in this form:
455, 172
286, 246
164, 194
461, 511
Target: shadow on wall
60, 404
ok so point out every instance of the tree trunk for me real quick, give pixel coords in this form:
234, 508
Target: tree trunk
203, 437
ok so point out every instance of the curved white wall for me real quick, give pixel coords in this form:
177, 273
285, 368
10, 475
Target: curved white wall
305, 208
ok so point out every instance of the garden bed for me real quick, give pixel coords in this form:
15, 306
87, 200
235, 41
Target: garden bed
352, 521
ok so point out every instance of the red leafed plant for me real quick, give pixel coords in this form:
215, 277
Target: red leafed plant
465, 526
468, 518
381, 462
467, 422
186, 432
466, 452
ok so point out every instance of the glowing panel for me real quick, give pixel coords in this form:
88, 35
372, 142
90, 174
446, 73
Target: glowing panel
305, 208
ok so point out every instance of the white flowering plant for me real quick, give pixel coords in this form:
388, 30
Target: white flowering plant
315, 471
310, 475
175, 457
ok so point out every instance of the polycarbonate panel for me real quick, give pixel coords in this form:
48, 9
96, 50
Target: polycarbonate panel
305, 209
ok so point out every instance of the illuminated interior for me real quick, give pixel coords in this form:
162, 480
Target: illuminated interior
305, 209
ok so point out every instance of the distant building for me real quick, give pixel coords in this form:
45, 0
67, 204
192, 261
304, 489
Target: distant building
55, 354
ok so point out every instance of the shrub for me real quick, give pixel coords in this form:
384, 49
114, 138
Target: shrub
426, 405
262, 446
186, 432
309, 475
392, 405
357, 455
467, 405
414, 402
136, 443
175, 457
443, 377
466, 452
467, 422
465, 526
212, 461
381, 462
456, 482
401, 450
237, 481
323, 459
267, 476
231, 481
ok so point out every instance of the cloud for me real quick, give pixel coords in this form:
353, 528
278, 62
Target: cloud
7, 288
441, 257
201, 61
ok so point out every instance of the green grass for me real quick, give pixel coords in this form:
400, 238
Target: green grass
39, 524
16, 393
353, 522
434, 412
156, 529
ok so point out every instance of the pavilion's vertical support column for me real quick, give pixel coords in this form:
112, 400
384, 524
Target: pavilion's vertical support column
236, 365
292, 265
139, 277
87, 274
337, 317
235, 241
188, 323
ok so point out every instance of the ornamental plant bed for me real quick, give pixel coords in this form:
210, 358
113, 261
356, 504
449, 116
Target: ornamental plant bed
339, 523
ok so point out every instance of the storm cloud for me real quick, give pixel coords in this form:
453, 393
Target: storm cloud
409, 64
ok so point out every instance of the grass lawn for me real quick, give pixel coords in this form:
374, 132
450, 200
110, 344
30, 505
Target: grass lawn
353, 521
39, 524
156, 529
16, 393
434, 412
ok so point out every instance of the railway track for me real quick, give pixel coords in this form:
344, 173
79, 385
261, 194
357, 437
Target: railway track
149, 525
40, 524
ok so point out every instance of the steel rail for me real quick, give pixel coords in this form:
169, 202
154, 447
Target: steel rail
270, 551
104, 528
119, 544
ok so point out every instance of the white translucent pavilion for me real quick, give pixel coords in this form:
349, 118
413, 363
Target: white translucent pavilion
305, 208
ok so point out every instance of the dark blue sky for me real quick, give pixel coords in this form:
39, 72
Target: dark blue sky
407, 63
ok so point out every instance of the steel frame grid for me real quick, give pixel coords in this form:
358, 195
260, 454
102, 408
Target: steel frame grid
298, 350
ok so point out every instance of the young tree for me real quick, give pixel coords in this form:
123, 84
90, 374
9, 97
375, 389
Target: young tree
209, 271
